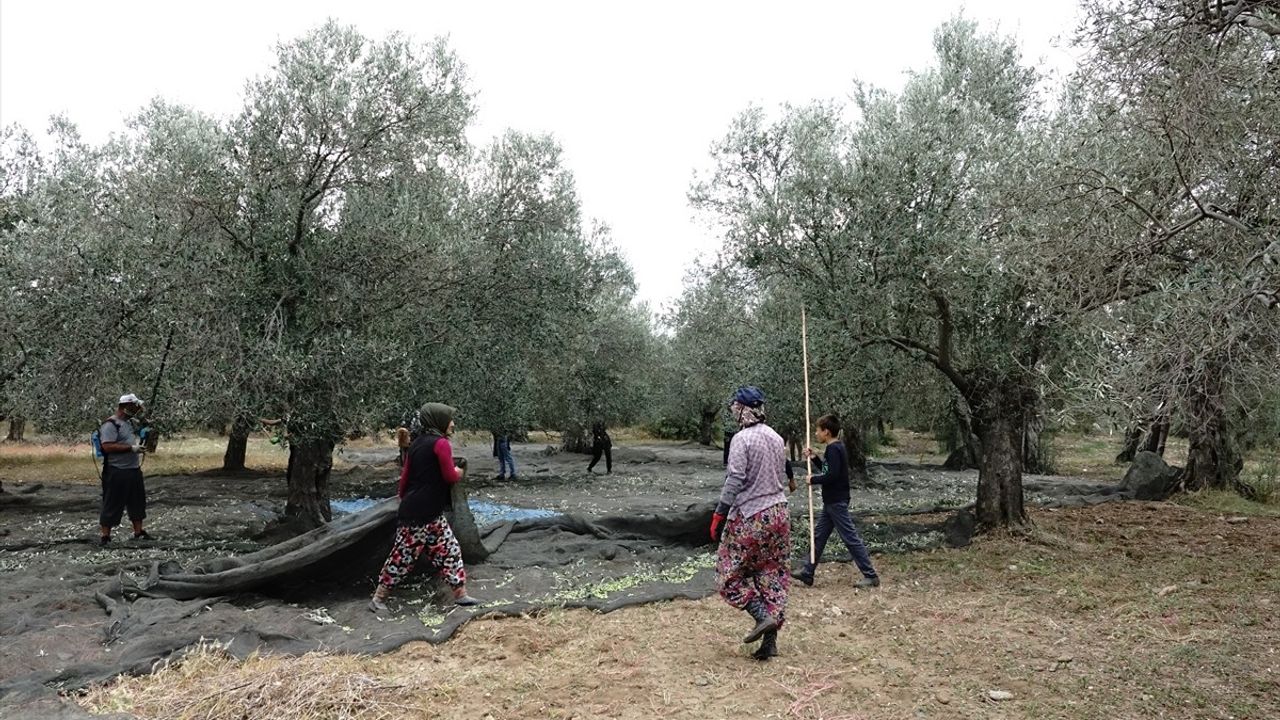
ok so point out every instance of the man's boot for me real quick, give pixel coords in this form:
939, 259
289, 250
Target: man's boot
768, 646
764, 622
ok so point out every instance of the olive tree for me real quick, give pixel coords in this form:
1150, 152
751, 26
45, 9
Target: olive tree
334, 219
903, 229
1176, 178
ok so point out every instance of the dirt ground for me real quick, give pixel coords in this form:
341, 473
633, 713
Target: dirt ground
1127, 610
1132, 610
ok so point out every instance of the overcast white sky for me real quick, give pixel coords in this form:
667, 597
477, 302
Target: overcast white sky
635, 92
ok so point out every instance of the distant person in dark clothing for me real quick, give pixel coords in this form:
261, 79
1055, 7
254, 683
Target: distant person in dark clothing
601, 444
425, 479
835, 506
730, 429
502, 451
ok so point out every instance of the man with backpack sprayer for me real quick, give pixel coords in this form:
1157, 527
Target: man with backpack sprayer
122, 485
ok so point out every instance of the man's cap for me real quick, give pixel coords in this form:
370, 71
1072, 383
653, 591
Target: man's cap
130, 399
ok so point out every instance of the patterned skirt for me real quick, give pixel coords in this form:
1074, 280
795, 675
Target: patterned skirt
754, 562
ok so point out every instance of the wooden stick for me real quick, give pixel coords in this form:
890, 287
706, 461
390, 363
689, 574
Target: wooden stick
804, 349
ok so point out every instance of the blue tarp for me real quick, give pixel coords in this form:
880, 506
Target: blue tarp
486, 513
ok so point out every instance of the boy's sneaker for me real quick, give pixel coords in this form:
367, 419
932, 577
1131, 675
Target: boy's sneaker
104, 540
144, 535
867, 583
803, 577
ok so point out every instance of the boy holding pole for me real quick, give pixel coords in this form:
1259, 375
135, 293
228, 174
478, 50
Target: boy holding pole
834, 481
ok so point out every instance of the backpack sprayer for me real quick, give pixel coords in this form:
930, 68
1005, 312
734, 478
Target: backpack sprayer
95, 440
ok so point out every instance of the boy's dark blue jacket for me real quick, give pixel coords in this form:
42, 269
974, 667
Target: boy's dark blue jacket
835, 474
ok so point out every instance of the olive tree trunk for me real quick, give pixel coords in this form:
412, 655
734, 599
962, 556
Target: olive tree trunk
575, 441
1212, 459
237, 445
1035, 459
964, 451
310, 463
707, 425
998, 420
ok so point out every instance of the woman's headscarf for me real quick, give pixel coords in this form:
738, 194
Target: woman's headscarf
746, 416
432, 418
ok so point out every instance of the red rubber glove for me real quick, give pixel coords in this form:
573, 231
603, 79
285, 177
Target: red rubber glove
717, 520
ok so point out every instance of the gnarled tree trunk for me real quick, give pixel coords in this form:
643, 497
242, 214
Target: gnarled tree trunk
575, 441
1212, 462
17, 428
1158, 436
237, 445
1150, 435
1212, 459
707, 424
964, 451
998, 418
855, 446
1034, 459
1132, 442
310, 463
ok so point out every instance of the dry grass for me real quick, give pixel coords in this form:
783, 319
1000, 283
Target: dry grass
47, 460
74, 463
1142, 611
208, 683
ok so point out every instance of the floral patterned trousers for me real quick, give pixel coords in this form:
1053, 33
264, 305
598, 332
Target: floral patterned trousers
443, 552
754, 562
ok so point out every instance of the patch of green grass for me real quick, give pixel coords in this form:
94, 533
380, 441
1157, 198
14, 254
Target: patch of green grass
1262, 475
1227, 503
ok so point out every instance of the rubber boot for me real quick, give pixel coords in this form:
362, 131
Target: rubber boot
768, 646
764, 623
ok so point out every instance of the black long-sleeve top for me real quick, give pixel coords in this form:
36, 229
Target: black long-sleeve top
835, 474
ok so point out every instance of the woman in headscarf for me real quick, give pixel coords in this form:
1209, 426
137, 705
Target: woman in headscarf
753, 563
428, 470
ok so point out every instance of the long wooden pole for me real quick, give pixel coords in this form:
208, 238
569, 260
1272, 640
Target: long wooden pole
804, 350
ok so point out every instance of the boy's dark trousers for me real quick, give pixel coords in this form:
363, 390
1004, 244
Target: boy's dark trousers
836, 515
601, 449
